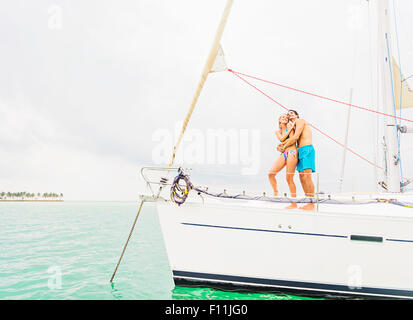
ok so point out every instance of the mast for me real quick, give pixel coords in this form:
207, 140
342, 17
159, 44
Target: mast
343, 165
207, 68
387, 95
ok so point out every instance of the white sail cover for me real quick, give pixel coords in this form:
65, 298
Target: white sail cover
219, 63
401, 90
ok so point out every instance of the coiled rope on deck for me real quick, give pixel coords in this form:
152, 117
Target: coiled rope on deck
179, 193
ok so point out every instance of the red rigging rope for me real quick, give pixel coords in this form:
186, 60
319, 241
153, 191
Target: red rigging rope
319, 96
237, 74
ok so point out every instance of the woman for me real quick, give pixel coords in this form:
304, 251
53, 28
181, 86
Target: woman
287, 159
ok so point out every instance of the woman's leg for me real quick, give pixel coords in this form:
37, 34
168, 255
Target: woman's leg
276, 167
290, 170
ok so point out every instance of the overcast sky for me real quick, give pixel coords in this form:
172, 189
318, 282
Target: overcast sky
87, 86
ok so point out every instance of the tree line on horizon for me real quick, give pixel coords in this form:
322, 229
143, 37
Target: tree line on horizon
29, 196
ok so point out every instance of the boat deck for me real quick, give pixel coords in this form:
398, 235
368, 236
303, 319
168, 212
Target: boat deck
399, 205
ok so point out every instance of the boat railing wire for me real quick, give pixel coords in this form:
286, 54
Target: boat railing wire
157, 177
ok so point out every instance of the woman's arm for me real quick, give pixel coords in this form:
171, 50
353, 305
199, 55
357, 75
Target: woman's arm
283, 136
278, 134
297, 133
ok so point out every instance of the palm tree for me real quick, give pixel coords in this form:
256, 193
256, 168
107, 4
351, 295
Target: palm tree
23, 195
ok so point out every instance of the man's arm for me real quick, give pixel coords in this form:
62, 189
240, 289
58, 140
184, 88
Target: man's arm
299, 127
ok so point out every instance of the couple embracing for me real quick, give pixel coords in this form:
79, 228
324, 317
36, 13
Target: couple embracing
297, 152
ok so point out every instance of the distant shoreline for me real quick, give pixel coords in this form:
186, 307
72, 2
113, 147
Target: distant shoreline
31, 200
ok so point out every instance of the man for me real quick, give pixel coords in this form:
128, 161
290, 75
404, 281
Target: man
306, 154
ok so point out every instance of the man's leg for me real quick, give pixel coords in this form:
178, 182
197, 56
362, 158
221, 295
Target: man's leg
308, 187
290, 170
302, 180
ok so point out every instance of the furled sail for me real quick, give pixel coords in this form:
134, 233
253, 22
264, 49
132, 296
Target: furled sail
219, 63
401, 88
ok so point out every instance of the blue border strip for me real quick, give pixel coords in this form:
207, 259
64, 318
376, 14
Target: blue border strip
285, 232
266, 230
297, 285
399, 240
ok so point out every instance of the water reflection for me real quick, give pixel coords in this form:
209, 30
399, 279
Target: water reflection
204, 293
117, 294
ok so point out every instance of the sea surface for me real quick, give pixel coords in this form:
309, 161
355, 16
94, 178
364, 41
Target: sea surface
69, 250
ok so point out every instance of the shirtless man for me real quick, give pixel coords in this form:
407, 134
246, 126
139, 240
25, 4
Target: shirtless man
306, 154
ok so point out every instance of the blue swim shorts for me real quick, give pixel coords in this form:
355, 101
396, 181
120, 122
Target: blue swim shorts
306, 158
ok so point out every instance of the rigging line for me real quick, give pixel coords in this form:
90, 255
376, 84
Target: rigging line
323, 133
399, 58
401, 92
394, 105
319, 96
372, 101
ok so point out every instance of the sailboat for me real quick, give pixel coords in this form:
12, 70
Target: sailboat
349, 246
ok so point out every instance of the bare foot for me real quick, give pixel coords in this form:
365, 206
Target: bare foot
308, 207
276, 194
292, 206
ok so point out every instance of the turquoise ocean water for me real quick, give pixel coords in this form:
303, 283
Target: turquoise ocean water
69, 250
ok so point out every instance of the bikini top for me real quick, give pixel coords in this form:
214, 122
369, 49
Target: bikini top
286, 130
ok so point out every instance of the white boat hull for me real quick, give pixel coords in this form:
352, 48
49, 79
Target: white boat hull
342, 249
